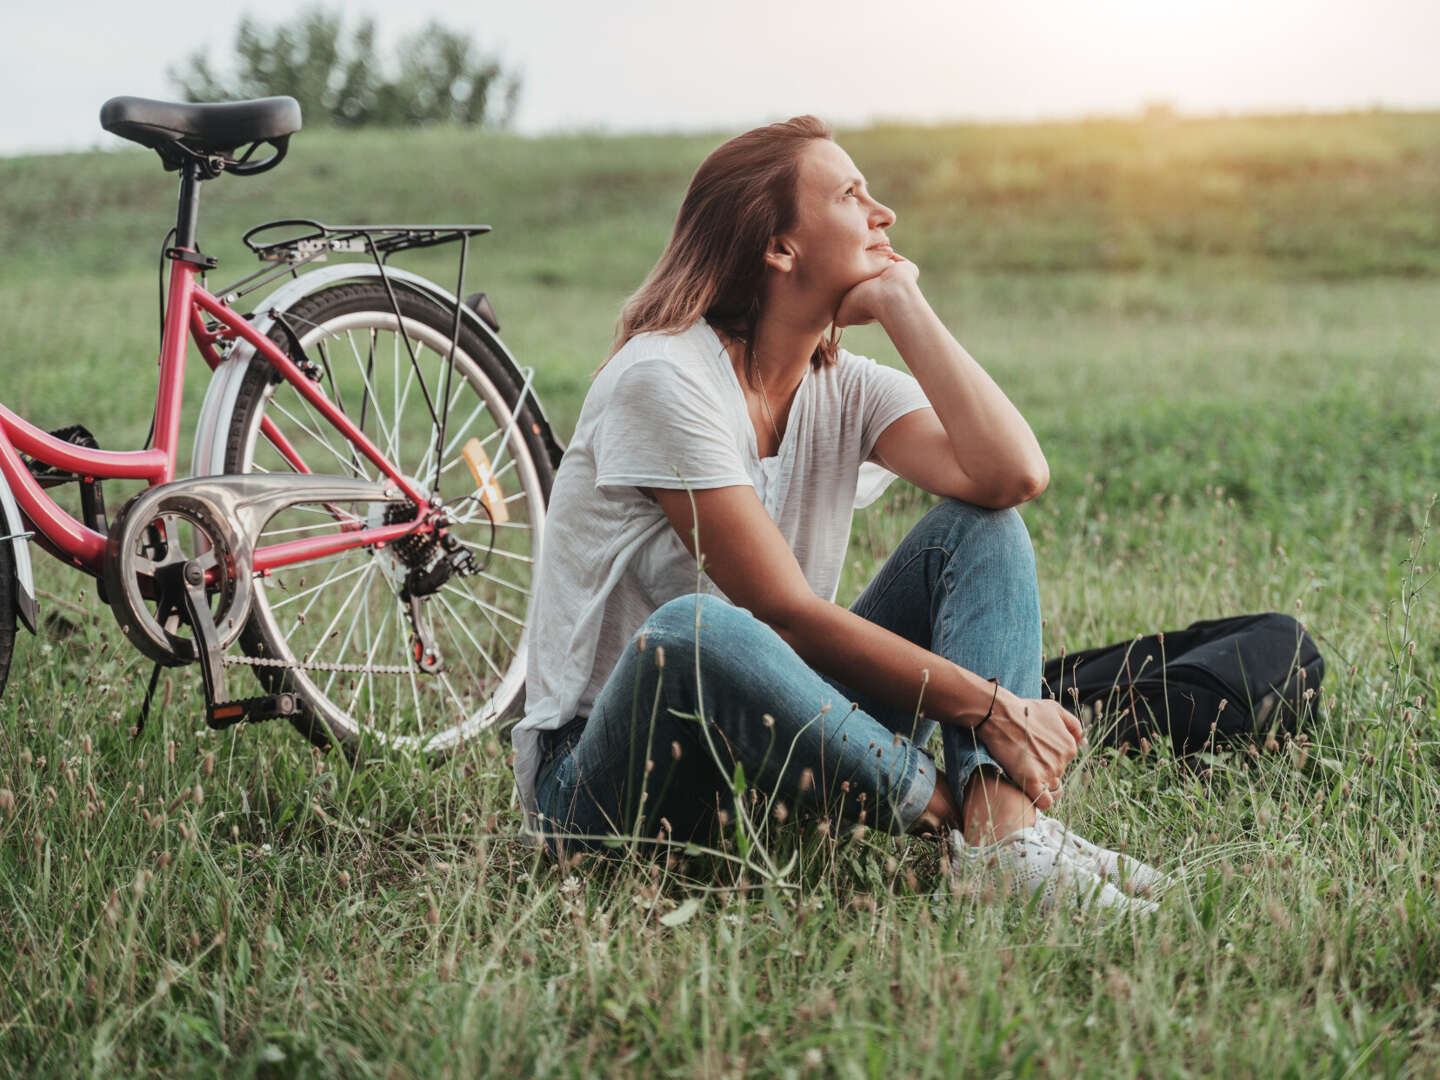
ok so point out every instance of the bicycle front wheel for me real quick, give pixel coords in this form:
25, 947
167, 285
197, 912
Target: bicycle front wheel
342, 632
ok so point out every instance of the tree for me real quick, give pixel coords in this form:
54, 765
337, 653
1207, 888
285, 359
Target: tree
338, 78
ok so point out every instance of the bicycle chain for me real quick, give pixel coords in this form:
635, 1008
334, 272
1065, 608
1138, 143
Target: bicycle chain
348, 669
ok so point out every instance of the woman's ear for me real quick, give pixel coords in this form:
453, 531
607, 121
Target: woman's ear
780, 255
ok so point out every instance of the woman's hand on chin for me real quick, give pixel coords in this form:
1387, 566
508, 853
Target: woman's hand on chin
871, 299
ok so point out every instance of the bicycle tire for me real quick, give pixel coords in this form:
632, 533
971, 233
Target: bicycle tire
8, 590
358, 321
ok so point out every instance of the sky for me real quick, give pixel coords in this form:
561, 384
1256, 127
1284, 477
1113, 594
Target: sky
676, 65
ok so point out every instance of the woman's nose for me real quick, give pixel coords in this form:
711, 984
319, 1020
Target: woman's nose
882, 216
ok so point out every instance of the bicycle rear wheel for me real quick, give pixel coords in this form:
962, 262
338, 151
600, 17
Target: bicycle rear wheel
338, 631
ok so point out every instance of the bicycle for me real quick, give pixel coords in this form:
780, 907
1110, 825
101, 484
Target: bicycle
369, 477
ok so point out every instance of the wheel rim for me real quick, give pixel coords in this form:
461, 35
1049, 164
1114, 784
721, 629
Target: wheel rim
347, 610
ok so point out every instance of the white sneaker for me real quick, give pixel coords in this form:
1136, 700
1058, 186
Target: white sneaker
1130, 874
1027, 863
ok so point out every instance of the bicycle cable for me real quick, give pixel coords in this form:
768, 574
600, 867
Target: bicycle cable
164, 247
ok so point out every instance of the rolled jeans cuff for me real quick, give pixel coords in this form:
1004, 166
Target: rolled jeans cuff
917, 796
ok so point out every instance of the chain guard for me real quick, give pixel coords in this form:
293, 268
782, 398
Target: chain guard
142, 579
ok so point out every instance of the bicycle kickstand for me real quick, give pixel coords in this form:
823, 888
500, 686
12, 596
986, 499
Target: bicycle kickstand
220, 713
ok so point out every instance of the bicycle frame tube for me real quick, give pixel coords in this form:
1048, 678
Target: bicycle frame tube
186, 300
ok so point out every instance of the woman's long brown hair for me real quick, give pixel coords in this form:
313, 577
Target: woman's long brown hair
743, 194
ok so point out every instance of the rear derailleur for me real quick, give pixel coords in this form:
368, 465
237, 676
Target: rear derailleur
432, 559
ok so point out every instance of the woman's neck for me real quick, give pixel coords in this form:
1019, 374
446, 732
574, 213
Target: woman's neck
783, 348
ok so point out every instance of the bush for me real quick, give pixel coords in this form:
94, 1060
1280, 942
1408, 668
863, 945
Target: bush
440, 76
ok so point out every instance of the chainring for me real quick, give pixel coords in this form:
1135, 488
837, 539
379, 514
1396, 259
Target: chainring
146, 552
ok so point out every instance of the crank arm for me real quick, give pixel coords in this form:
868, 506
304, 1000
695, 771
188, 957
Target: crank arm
208, 649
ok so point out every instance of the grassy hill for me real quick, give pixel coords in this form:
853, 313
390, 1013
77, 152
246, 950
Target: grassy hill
1224, 333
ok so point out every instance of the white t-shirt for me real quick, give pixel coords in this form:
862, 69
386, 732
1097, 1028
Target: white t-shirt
667, 411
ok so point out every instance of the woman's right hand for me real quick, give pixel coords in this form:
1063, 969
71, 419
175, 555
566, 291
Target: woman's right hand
1034, 740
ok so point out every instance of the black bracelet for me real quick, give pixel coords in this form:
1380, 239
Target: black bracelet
990, 711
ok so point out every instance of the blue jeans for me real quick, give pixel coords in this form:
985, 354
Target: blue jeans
961, 584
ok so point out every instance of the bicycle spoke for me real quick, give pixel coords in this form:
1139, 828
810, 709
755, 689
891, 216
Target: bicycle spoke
329, 580
350, 631
508, 584
339, 613
375, 639
488, 611
326, 633
321, 347
478, 518
405, 651
456, 620
313, 434
496, 475
461, 712
456, 437
288, 530
369, 388
393, 448
422, 470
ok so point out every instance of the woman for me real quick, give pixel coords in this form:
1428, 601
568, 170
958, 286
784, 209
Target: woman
728, 427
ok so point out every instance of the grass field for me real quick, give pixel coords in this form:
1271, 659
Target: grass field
1223, 332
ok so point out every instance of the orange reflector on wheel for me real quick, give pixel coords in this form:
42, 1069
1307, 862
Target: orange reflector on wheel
485, 482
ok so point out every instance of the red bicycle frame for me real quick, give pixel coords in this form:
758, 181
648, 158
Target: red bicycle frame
187, 306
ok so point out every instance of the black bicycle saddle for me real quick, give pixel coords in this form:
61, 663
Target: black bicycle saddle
200, 128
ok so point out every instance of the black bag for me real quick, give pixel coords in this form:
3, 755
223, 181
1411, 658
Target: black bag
1216, 681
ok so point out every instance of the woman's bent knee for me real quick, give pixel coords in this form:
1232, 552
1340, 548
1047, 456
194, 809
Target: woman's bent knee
686, 618
977, 533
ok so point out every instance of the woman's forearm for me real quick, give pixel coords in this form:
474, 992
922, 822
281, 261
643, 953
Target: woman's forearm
871, 660
992, 442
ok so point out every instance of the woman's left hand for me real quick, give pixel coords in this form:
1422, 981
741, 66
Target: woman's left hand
867, 301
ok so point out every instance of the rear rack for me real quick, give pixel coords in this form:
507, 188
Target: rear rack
318, 240
304, 240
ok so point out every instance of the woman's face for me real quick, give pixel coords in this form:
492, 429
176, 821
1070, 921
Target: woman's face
838, 239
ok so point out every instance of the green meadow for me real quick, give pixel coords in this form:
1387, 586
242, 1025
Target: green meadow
1224, 332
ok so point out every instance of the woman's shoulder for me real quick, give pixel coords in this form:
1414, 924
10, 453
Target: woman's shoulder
688, 344
847, 362
669, 357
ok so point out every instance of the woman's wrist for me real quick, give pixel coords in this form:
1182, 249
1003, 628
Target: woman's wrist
989, 712
901, 303
977, 700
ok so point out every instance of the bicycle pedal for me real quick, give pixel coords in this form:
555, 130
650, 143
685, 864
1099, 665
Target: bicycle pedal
264, 707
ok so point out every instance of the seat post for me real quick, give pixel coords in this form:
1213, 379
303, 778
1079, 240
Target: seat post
188, 213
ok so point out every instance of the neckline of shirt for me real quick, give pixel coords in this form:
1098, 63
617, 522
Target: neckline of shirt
722, 357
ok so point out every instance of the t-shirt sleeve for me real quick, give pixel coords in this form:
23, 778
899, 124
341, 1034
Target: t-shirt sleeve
663, 427
886, 394
882, 395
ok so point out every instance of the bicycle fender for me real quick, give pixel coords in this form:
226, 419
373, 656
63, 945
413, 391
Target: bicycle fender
13, 531
208, 457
